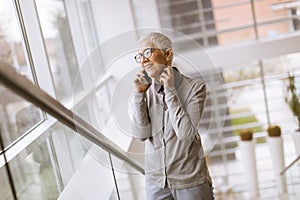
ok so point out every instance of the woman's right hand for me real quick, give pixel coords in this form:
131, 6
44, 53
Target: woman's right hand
141, 84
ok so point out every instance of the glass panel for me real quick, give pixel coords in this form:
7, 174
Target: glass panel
102, 106
12, 51
93, 64
279, 109
246, 109
246, 100
59, 46
85, 168
33, 173
281, 65
292, 175
5, 187
70, 149
276, 71
130, 182
16, 115
87, 24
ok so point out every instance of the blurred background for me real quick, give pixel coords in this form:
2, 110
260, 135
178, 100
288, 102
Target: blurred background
80, 52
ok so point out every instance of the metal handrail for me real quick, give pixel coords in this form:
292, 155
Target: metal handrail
25, 88
290, 165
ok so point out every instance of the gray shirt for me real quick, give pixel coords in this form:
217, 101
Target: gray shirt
168, 120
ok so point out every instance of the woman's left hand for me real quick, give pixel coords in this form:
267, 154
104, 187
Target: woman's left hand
167, 77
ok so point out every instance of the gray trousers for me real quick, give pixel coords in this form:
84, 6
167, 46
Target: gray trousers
198, 192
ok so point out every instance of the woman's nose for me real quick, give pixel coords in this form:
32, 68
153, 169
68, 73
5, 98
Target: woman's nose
143, 60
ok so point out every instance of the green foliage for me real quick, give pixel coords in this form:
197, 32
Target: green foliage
294, 98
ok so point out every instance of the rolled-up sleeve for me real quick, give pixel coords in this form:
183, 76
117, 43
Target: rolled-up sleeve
140, 116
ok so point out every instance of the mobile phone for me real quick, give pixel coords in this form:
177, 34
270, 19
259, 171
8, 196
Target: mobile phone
148, 79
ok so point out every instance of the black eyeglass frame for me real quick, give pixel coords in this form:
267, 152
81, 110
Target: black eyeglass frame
138, 57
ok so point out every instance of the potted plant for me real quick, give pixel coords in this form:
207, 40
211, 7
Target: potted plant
294, 103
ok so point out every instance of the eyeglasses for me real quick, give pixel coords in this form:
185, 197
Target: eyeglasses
147, 53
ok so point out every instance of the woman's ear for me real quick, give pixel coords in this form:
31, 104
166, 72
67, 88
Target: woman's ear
169, 56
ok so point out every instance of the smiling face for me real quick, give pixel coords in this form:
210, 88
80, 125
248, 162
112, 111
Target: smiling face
155, 64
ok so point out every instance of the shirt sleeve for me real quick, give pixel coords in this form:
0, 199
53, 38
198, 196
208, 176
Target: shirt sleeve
140, 123
185, 119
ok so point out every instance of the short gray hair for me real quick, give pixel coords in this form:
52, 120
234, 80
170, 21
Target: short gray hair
158, 40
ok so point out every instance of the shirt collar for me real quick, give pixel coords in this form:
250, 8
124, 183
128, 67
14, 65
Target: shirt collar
177, 81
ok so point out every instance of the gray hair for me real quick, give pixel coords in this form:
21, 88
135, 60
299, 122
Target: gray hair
155, 39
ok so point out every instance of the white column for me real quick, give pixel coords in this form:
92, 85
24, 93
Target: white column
249, 161
277, 156
247, 147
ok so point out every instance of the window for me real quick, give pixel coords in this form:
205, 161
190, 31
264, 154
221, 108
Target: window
59, 46
189, 17
5, 192
33, 172
16, 115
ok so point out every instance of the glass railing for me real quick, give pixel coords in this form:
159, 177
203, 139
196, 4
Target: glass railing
290, 165
291, 174
70, 159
